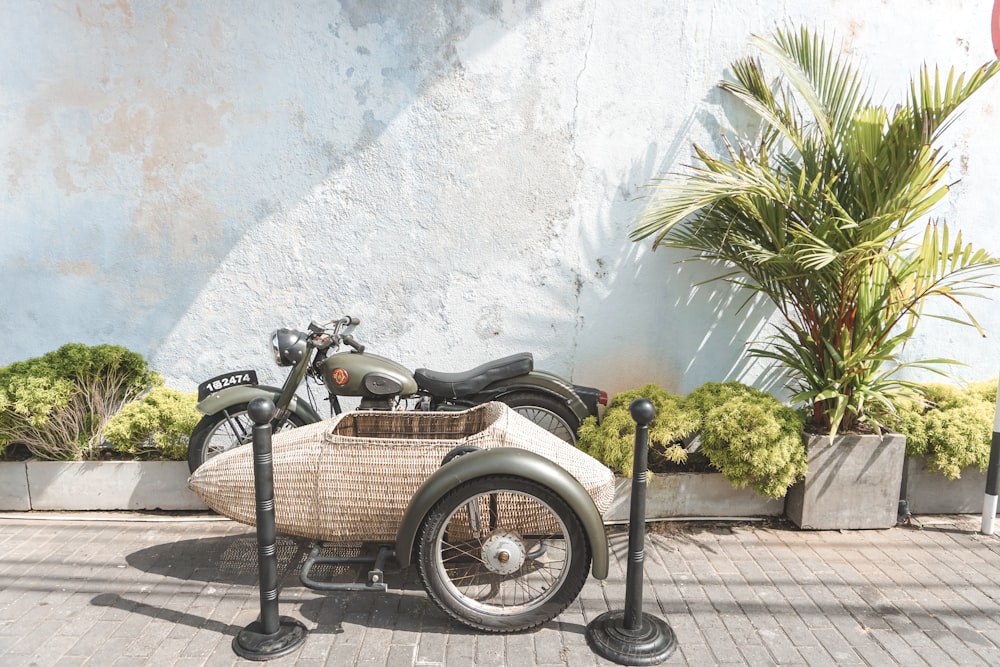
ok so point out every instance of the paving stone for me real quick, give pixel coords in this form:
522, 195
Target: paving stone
461, 651
548, 646
817, 656
399, 656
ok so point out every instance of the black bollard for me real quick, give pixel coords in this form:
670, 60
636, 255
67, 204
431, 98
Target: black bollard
270, 636
629, 637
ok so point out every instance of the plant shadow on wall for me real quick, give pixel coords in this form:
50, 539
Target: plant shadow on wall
660, 318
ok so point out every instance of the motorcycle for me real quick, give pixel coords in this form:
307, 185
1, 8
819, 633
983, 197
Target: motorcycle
381, 384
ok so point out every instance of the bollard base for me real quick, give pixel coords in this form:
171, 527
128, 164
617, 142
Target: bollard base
251, 643
650, 644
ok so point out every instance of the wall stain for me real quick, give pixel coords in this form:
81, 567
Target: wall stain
69, 267
101, 121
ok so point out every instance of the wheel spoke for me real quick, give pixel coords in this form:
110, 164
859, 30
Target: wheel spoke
549, 421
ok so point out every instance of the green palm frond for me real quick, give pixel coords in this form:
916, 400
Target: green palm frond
821, 211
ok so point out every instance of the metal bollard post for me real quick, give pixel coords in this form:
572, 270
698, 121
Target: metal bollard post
629, 637
270, 636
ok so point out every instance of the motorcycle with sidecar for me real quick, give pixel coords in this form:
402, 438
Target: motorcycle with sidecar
502, 518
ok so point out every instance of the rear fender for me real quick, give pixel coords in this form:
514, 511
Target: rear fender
230, 396
504, 461
546, 383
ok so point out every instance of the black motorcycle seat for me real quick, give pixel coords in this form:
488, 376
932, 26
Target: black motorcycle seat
458, 385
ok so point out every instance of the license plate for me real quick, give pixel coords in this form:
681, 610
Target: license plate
233, 379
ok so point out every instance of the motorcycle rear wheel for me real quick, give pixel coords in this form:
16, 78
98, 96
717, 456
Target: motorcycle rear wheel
226, 429
502, 554
547, 412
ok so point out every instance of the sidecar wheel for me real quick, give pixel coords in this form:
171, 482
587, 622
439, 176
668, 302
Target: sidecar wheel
224, 430
545, 411
502, 554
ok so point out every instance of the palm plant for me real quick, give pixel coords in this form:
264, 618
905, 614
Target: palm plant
822, 211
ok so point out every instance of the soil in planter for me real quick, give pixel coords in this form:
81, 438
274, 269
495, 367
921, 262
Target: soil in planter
20, 452
16, 452
858, 429
696, 462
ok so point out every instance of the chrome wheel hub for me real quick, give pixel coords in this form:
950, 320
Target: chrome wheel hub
503, 553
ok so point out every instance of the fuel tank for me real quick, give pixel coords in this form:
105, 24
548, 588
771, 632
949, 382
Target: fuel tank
368, 375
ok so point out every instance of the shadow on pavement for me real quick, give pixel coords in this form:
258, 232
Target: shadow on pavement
232, 561
162, 613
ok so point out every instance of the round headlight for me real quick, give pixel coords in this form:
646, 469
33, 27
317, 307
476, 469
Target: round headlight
288, 346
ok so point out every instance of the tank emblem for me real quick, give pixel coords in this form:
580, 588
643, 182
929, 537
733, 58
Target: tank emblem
340, 376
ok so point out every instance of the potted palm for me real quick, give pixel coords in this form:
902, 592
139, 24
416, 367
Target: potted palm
824, 212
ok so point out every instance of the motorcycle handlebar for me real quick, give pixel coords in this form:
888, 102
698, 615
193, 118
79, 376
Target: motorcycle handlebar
324, 335
345, 321
350, 342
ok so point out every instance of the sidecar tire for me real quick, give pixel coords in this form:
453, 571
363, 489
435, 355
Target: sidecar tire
468, 589
547, 412
199, 450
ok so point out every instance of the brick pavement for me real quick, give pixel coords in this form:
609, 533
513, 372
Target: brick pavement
138, 590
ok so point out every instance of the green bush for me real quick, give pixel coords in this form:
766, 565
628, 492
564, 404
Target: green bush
745, 433
713, 394
157, 426
613, 441
953, 428
755, 441
57, 405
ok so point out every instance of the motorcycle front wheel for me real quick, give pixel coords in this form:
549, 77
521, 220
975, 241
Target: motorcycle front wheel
547, 412
502, 554
226, 429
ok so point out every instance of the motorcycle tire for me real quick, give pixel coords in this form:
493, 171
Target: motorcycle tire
224, 430
546, 411
524, 565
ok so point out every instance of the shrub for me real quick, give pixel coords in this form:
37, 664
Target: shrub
755, 441
745, 433
58, 404
613, 441
157, 426
713, 394
953, 428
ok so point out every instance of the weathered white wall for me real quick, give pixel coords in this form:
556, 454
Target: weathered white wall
182, 178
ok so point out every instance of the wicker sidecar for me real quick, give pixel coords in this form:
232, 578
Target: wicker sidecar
502, 518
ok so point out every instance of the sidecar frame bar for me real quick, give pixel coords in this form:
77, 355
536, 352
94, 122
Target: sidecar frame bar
376, 576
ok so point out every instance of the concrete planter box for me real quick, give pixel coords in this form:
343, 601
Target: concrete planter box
932, 493
852, 483
692, 495
98, 485
14, 486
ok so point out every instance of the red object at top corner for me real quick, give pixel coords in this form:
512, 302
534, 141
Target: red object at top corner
995, 26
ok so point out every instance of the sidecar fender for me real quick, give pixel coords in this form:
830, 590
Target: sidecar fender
505, 461
230, 396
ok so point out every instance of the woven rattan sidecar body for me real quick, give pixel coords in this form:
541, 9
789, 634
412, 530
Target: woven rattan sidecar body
352, 478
